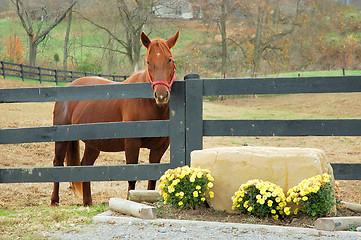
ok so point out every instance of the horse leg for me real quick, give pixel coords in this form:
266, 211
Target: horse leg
89, 157
60, 152
155, 156
132, 147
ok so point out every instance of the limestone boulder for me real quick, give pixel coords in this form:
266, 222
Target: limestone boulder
233, 166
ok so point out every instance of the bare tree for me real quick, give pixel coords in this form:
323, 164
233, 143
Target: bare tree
219, 13
65, 58
132, 15
46, 22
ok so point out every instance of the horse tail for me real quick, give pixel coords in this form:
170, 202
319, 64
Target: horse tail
73, 159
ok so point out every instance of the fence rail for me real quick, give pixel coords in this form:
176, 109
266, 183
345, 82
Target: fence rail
48, 75
186, 126
196, 127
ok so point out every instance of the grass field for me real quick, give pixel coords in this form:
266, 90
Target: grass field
84, 34
317, 73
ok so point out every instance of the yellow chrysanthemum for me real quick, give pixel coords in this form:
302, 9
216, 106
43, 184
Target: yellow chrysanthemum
295, 212
287, 210
211, 194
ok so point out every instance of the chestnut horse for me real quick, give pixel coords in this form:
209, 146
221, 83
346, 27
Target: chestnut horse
160, 73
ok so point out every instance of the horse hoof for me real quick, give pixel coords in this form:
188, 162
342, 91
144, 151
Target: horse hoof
88, 204
54, 203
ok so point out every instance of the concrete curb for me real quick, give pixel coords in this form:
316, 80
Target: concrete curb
107, 217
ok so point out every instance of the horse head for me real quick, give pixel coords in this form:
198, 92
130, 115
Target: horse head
160, 66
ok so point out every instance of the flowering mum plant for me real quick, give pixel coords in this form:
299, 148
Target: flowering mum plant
315, 196
261, 198
186, 187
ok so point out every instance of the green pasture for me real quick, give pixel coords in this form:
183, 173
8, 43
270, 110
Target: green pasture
317, 73
84, 34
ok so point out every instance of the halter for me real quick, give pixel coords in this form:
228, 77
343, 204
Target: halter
169, 85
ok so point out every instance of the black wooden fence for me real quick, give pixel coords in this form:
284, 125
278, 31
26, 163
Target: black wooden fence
95, 131
186, 126
46, 74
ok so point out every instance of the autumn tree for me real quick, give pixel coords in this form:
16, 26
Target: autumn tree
39, 26
14, 49
265, 30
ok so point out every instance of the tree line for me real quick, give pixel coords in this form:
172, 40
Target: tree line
257, 36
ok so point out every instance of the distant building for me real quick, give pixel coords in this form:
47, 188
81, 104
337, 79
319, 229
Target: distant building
356, 3
177, 9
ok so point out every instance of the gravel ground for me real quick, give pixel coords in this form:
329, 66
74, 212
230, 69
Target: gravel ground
134, 228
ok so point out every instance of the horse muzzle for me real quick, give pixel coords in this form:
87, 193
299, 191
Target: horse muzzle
161, 97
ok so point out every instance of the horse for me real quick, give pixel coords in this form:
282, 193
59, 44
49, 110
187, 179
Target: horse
160, 73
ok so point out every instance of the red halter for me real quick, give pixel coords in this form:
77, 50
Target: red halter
169, 85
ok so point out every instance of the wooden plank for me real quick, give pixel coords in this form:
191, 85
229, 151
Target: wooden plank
177, 121
158, 128
131, 172
150, 196
347, 171
352, 206
282, 85
337, 223
194, 110
76, 93
308, 127
342, 171
132, 208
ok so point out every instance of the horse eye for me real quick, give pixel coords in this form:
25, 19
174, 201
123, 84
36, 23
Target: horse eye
170, 60
148, 63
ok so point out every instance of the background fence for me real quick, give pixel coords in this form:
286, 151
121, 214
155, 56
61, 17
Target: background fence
46, 74
186, 126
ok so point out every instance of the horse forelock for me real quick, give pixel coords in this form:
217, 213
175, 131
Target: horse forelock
160, 45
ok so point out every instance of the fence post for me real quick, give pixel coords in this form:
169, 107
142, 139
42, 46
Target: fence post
22, 72
194, 112
56, 77
177, 125
3, 68
40, 75
72, 76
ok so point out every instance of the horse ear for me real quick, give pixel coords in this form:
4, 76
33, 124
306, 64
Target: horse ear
173, 40
145, 40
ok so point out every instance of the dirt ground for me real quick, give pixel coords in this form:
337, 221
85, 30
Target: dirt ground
16, 115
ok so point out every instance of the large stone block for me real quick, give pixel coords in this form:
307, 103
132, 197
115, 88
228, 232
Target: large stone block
233, 166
